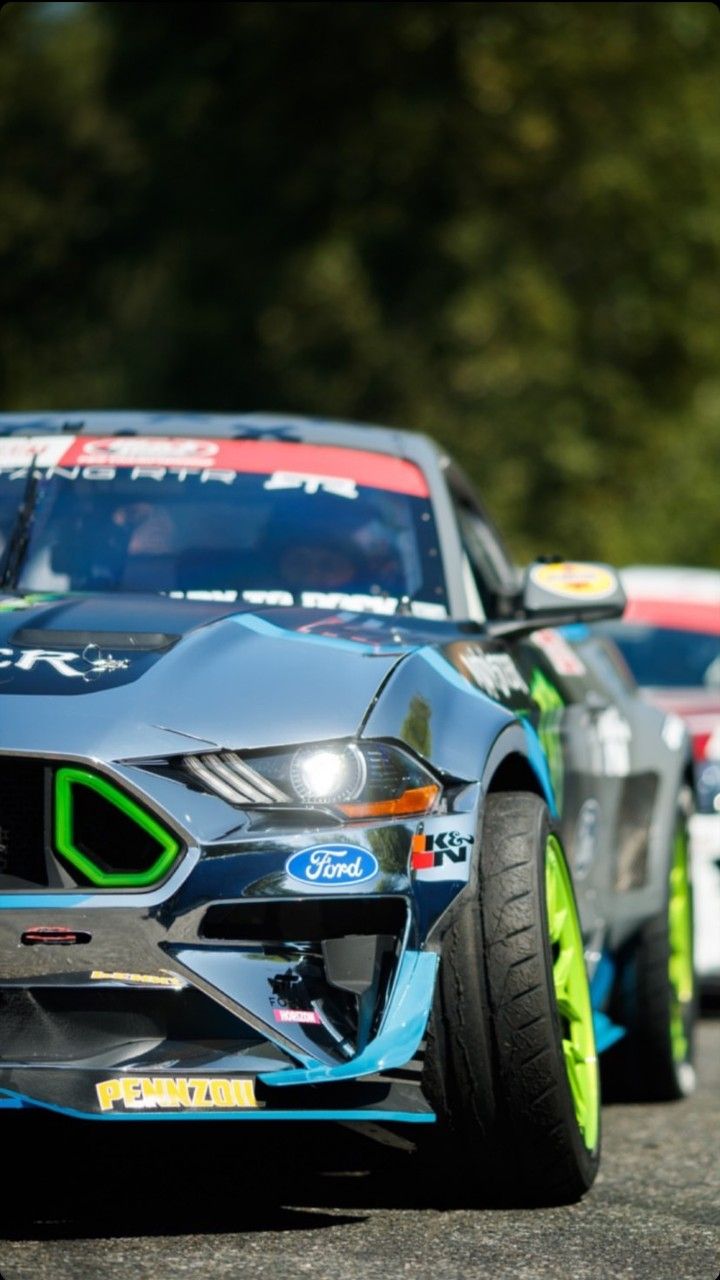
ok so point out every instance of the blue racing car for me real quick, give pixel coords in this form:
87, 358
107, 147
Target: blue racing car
314, 807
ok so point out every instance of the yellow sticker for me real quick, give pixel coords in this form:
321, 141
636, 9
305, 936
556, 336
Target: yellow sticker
575, 581
179, 1093
139, 979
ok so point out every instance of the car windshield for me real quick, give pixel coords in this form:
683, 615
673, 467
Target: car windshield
664, 657
261, 523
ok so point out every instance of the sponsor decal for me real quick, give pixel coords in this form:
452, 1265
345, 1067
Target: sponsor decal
585, 838
176, 1093
341, 487
494, 673
575, 581
445, 854
158, 458
21, 451
353, 602
560, 654
296, 1015
95, 662
130, 451
139, 979
332, 866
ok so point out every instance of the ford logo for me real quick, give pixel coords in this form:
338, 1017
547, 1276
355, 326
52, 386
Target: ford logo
331, 866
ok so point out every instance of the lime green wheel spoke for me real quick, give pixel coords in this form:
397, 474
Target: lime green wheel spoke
680, 962
572, 995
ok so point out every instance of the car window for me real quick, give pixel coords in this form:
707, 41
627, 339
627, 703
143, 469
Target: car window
668, 657
491, 569
262, 527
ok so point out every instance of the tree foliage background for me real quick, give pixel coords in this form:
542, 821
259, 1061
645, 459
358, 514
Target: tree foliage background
496, 222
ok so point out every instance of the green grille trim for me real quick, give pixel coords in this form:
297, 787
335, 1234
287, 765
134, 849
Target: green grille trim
65, 781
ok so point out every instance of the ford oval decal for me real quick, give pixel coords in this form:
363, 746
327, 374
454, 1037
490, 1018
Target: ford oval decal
332, 866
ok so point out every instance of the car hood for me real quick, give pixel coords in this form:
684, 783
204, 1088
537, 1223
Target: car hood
127, 677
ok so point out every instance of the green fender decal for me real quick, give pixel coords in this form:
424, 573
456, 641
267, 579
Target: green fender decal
551, 704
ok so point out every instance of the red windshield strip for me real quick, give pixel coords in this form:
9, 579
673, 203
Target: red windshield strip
375, 470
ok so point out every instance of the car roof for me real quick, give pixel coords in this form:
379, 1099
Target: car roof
228, 426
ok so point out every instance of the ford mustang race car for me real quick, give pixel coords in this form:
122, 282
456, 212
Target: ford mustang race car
313, 807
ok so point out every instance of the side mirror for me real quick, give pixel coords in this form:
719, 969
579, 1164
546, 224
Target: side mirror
556, 593
585, 590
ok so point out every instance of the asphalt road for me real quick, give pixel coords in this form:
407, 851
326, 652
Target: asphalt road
170, 1205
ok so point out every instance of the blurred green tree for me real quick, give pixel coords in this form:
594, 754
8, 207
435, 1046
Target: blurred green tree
497, 222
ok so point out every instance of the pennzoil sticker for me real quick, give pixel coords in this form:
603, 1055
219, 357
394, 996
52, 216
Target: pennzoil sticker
139, 979
575, 581
177, 1093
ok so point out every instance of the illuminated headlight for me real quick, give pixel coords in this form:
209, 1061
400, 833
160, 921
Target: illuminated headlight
361, 779
327, 776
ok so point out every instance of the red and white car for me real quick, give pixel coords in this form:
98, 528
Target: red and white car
670, 639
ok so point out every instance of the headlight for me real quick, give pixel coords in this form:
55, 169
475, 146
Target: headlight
322, 775
361, 779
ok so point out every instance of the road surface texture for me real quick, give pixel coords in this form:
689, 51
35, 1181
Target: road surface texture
171, 1202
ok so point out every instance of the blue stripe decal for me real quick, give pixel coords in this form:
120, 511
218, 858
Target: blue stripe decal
39, 900
450, 673
402, 1030
538, 760
390, 1117
263, 628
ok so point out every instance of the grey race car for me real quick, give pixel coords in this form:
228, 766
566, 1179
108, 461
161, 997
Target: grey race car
312, 807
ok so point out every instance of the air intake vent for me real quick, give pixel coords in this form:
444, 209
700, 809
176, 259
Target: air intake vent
227, 775
22, 823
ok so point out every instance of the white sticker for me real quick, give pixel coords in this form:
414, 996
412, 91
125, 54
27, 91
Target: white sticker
95, 662
495, 673
128, 450
674, 732
19, 451
614, 734
337, 485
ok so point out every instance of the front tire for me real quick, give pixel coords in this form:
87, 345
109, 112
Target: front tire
512, 1067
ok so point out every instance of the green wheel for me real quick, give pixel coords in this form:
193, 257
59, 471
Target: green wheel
511, 1066
572, 996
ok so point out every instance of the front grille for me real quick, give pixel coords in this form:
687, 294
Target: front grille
22, 822
61, 826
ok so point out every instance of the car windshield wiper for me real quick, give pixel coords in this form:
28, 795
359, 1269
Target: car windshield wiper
18, 540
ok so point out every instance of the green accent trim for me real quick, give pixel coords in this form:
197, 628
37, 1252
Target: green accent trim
551, 704
572, 994
680, 939
65, 780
